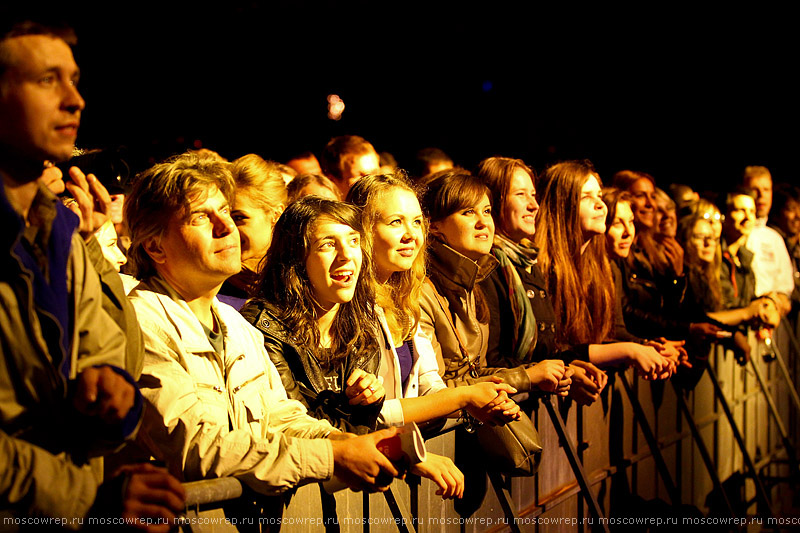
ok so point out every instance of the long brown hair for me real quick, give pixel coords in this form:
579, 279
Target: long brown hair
703, 278
497, 173
284, 282
581, 284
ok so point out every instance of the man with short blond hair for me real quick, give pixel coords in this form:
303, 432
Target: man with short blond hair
772, 266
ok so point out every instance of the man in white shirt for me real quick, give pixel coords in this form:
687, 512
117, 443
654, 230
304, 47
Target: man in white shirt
772, 266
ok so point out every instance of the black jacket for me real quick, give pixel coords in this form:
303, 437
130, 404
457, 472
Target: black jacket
305, 379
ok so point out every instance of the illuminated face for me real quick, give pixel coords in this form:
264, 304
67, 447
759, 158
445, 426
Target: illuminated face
644, 202
107, 237
398, 234
741, 217
666, 220
40, 107
470, 230
200, 247
593, 210
333, 262
621, 232
789, 218
255, 228
520, 208
715, 218
355, 167
703, 240
763, 187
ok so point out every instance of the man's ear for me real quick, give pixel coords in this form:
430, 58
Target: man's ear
154, 249
277, 212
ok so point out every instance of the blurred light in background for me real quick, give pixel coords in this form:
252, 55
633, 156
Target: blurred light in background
335, 107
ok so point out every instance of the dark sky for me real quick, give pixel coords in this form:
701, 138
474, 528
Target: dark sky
686, 94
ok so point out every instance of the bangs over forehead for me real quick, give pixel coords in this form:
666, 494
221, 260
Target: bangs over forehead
449, 191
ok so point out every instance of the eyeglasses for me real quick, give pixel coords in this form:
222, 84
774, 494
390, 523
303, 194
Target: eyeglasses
714, 216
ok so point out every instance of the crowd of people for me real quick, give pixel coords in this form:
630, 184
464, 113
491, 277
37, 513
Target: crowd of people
276, 322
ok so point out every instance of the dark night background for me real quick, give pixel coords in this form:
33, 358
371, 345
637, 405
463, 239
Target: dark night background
686, 93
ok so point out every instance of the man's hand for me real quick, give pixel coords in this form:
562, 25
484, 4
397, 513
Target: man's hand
364, 388
703, 331
92, 201
52, 178
358, 462
151, 494
103, 393
444, 473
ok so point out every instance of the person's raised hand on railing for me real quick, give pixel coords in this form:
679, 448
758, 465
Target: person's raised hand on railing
588, 382
442, 471
359, 463
550, 375
489, 402
151, 497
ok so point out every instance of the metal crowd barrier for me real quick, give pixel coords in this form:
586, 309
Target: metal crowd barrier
647, 453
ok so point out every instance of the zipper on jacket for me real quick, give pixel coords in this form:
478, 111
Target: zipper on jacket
239, 387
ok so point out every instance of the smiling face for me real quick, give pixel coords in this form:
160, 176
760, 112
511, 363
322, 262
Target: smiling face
789, 218
255, 229
398, 232
621, 231
703, 240
40, 107
333, 262
470, 230
740, 218
200, 248
666, 220
644, 202
593, 210
520, 207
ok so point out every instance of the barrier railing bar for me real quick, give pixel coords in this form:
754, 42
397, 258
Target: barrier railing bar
503, 493
761, 494
701, 447
773, 410
650, 439
572, 457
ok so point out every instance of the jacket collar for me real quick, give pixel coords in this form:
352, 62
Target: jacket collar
452, 268
189, 328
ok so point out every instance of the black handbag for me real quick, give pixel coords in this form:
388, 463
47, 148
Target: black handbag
513, 448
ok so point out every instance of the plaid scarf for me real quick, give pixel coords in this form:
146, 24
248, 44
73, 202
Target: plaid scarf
511, 257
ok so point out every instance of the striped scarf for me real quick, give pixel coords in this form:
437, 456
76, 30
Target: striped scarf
511, 257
